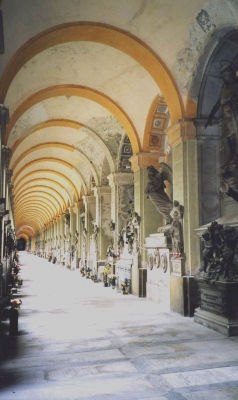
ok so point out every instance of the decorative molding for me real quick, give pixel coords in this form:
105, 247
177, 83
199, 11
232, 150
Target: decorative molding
121, 178
181, 131
143, 160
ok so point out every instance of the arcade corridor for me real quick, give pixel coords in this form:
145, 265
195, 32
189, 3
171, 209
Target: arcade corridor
79, 340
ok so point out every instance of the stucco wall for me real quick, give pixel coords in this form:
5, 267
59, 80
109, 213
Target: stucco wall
183, 26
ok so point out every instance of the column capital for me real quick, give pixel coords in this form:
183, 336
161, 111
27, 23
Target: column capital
181, 131
6, 154
89, 198
212, 132
79, 204
143, 160
4, 119
9, 174
121, 178
101, 190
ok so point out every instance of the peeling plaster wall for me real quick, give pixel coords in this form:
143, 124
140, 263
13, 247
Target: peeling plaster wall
125, 202
111, 132
105, 219
212, 15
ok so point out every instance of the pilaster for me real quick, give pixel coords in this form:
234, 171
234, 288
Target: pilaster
90, 215
4, 119
122, 193
183, 141
78, 207
103, 213
150, 218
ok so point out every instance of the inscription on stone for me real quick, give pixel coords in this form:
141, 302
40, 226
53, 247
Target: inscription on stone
176, 267
204, 377
211, 300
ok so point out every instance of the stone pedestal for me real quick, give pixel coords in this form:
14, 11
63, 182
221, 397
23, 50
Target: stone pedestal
158, 271
218, 306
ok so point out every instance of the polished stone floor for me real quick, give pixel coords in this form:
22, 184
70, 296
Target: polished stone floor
79, 340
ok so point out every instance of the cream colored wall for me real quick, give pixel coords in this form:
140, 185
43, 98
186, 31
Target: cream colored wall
182, 26
33, 244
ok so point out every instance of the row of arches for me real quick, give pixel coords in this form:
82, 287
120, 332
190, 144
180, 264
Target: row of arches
69, 123
65, 134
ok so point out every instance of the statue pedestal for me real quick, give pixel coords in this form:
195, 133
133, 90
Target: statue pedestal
158, 270
218, 306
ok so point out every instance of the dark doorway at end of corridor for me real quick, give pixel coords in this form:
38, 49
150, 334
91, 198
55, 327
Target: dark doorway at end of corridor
21, 244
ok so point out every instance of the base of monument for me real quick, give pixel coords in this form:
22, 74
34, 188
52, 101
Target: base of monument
158, 293
226, 326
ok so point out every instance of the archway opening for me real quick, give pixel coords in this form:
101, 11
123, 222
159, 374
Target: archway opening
21, 244
211, 149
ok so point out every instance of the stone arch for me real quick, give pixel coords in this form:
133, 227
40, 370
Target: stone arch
156, 124
79, 91
100, 33
223, 45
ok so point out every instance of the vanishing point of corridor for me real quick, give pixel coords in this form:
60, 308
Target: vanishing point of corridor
79, 340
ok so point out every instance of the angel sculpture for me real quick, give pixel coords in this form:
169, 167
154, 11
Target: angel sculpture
155, 189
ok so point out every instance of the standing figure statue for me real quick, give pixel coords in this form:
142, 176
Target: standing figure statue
207, 250
176, 229
228, 103
155, 190
229, 243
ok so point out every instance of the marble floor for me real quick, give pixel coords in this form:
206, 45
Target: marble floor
79, 340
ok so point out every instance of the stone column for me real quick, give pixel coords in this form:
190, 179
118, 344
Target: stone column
151, 220
90, 216
4, 119
51, 236
78, 231
183, 141
6, 154
103, 218
72, 230
58, 239
122, 195
9, 185
61, 236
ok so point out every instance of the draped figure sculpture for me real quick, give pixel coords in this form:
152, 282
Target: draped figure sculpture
155, 190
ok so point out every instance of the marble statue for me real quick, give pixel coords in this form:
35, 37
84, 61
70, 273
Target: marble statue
155, 189
176, 229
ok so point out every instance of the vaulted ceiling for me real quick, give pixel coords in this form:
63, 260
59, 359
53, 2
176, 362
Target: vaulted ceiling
75, 92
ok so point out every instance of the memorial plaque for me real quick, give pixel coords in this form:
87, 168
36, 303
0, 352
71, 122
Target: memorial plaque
202, 377
212, 301
177, 266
